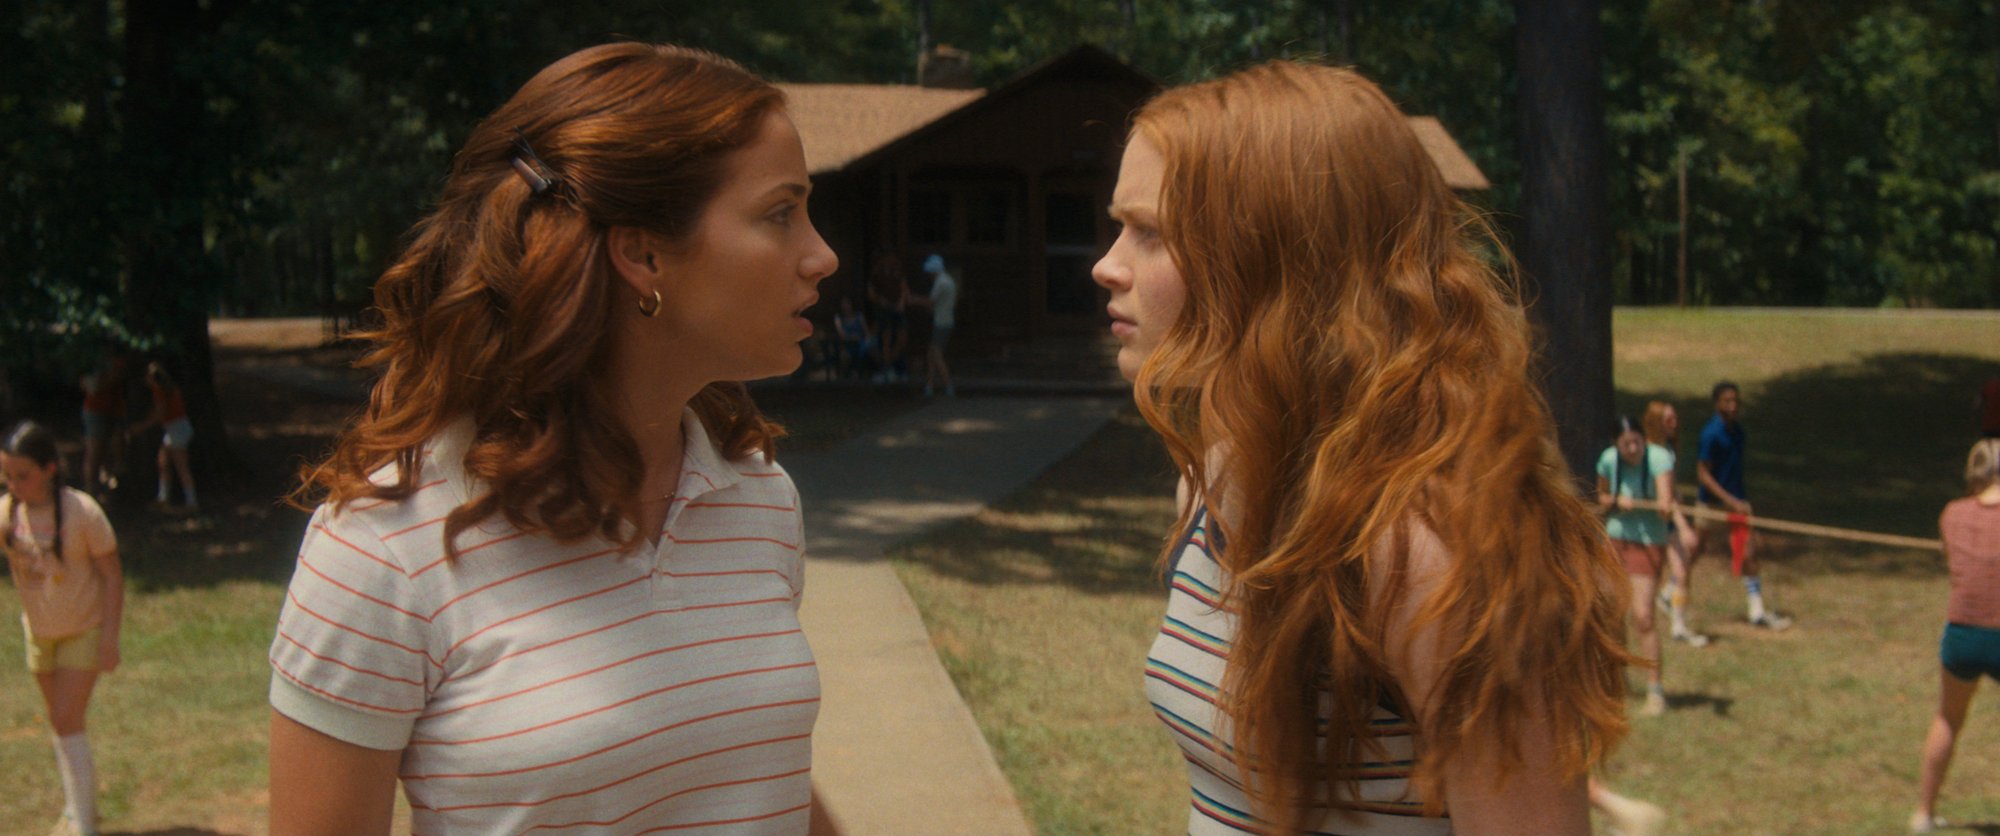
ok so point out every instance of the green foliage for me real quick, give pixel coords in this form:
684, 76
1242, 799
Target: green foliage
1839, 151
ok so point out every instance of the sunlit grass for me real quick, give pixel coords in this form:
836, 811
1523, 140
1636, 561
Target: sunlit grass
178, 730
1043, 608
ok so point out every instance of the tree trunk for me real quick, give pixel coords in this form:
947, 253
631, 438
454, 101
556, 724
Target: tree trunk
169, 277
1344, 14
1563, 254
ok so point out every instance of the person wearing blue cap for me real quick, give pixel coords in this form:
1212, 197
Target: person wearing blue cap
942, 302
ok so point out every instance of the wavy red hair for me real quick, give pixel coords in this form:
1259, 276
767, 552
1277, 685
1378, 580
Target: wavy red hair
1655, 423
1348, 346
501, 309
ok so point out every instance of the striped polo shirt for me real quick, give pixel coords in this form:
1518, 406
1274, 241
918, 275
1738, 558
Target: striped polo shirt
533, 685
1183, 670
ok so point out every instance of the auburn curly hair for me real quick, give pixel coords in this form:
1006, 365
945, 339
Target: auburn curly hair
1348, 346
501, 308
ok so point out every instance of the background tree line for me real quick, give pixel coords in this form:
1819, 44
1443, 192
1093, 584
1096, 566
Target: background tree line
165, 160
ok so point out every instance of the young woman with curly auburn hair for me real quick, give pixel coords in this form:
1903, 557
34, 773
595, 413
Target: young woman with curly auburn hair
554, 580
1383, 555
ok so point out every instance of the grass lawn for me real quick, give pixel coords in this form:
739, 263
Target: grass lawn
1856, 419
179, 731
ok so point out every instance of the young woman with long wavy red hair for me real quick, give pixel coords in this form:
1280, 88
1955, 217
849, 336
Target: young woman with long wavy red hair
554, 578
1389, 602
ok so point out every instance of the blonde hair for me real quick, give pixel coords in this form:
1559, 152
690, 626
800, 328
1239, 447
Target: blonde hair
1347, 341
1982, 465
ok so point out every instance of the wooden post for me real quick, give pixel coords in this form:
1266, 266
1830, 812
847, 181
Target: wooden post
923, 36
1128, 42
1681, 262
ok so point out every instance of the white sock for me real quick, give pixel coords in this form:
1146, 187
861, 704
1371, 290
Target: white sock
79, 780
164, 487
1756, 606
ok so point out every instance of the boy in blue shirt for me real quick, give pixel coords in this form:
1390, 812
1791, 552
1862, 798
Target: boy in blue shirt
1719, 474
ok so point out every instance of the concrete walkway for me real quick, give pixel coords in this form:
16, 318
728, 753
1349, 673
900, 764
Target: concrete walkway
896, 751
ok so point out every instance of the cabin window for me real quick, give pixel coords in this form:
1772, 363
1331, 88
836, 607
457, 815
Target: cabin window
977, 213
987, 219
930, 216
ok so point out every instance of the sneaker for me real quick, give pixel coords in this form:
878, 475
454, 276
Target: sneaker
1691, 638
1920, 823
1632, 817
1655, 706
1772, 622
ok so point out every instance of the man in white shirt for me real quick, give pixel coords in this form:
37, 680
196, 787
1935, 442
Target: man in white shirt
942, 302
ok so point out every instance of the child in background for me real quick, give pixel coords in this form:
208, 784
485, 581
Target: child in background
1970, 649
1719, 475
1663, 428
1635, 483
64, 559
103, 411
170, 413
857, 344
887, 288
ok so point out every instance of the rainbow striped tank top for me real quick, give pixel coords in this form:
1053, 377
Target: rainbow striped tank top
1183, 670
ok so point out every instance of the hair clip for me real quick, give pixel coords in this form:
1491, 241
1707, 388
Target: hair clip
530, 166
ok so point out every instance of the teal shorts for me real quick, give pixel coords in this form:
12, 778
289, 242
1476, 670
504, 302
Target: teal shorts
1969, 652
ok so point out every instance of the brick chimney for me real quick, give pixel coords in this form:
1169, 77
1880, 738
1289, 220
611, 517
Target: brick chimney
946, 67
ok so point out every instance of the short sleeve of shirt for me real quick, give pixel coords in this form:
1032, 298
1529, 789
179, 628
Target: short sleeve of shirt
796, 573
1607, 468
1659, 460
351, 658
944, 297
1712, 443
92, 526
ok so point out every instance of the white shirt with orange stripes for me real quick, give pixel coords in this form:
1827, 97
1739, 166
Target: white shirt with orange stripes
540, 686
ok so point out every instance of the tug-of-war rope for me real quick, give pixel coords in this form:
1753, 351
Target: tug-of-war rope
1700, 512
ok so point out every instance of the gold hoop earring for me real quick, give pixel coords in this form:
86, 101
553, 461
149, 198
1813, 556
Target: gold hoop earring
655, 309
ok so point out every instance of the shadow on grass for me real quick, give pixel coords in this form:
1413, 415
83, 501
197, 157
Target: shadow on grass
283, 409
1095, 522
1877, 444
1719, 706
245, 530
